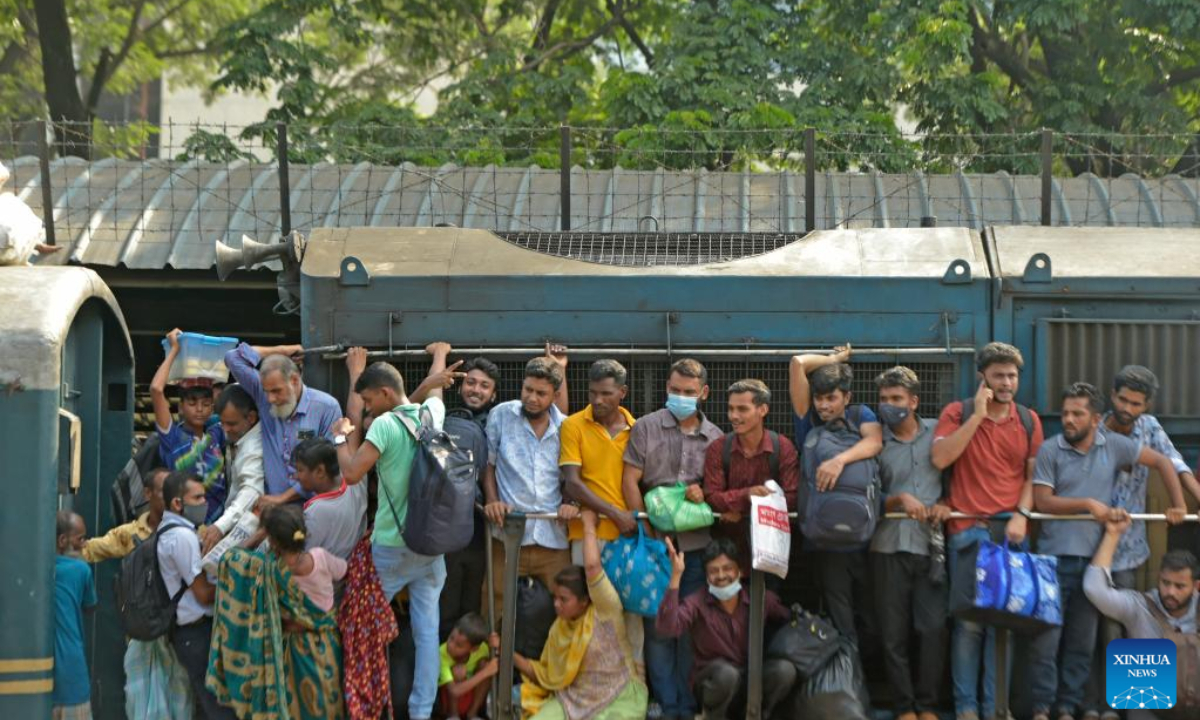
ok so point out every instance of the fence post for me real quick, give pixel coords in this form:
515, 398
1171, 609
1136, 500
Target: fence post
564, 174
514, 531
810, 179
47, 190
285, 189
1047, 173
754, 680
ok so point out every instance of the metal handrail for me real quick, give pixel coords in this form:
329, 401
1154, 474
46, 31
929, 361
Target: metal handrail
514, 531
655, 350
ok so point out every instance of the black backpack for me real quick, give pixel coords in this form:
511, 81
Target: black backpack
145, 609
128, 493
845, 516
441, 491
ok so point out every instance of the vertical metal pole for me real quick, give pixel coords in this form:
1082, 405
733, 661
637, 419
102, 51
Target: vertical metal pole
1002, 640
810, 179
754, 681
47, 189
285, 188
1047, 174
564, 174
490, 597
514, 530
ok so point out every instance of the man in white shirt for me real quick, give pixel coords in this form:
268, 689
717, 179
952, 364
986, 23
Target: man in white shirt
243, 461
179, 562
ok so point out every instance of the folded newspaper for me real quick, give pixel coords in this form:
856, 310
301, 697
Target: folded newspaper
246, 526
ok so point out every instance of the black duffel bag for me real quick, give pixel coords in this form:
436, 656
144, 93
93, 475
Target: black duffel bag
808, 642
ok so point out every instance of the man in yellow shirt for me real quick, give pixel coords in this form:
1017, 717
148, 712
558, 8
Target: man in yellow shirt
121, 540
591, 457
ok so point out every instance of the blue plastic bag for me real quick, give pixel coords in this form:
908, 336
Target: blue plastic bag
640, 569
1007, 587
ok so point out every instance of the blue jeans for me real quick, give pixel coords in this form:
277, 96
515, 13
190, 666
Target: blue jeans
1075, 640
424, 577
972, 645
669, 660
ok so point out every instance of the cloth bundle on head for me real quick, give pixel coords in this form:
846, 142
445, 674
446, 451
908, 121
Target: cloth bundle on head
257, 669
21, 230
368, 627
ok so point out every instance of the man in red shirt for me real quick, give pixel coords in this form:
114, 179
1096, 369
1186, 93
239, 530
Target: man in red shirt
756, 455
992, 450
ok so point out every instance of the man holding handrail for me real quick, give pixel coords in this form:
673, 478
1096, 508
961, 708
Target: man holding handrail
1075, 474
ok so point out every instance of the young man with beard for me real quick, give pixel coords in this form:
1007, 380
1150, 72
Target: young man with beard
1075, 474
288, 411
1134, 388
667, 447
992, 448
910, 602
1170, 607
522, 475
466, 426
243, 462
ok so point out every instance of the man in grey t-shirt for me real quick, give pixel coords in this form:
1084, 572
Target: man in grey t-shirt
1143, 615
1075, 474
336, 514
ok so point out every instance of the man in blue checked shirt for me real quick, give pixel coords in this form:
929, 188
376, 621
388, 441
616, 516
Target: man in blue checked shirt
288, 410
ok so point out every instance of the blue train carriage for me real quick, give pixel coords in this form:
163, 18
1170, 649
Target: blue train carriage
1083, 302
66, 424
919, 296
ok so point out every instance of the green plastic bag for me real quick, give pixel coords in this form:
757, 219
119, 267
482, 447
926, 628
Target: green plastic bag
670, 511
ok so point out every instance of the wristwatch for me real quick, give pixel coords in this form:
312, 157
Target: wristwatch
339, 440
1025, 511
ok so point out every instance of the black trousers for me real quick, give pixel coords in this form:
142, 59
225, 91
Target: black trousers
465, 576
845, 585
191, 648
911, 608
721, 684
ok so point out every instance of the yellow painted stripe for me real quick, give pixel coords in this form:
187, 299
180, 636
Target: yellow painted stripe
30, 665
26, 687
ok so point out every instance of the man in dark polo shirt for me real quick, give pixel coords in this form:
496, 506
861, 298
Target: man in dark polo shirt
1075, 474
667, 447
750, 464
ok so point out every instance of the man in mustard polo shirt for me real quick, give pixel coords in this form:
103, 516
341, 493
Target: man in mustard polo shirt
592, 446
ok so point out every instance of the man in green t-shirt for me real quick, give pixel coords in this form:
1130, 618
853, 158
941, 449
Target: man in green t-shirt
390, 448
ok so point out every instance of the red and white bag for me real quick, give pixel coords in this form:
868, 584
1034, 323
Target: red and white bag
770, 531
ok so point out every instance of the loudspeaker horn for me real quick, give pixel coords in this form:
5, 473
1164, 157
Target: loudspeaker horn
250, 254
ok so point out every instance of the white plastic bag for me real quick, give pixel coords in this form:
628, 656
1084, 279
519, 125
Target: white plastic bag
246, 526
770, 531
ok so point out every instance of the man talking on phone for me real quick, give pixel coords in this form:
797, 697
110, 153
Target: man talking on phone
992, 443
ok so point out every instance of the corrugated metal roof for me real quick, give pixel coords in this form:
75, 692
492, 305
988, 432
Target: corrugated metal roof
159, 213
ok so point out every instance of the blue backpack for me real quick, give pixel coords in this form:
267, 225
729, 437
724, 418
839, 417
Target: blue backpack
846, 515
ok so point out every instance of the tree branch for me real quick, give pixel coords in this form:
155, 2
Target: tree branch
1174, 79
618, 12
569, 47
993, 48
541, 33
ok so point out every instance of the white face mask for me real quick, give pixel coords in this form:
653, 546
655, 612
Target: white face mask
726, 592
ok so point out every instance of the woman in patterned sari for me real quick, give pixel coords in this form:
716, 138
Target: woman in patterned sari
586, 671
275, 655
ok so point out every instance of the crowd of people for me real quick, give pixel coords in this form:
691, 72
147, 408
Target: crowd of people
302, 613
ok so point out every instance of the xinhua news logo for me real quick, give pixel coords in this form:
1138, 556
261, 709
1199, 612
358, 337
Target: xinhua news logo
1141, 675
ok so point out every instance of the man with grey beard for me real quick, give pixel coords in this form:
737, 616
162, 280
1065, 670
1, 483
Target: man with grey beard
288, 411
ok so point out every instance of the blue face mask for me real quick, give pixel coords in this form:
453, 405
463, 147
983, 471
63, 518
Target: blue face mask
682, 406
727, 592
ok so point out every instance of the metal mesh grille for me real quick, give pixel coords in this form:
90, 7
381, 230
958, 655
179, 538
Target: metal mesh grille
1093, 351
648, 381
648, 249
